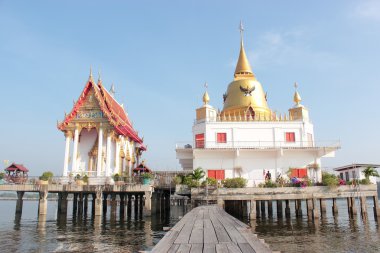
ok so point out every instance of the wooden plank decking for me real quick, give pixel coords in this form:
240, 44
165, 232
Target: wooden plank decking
210, 229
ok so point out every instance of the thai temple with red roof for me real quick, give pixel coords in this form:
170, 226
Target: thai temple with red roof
100, 139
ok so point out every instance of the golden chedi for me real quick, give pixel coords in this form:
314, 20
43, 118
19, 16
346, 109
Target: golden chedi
245, 95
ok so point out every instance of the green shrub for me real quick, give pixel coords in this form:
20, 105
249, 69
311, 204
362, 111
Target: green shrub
237, 182
117, 177
147, 175
2, 175
177, 180
46, 176
269, 184
85, 178
365, 181
329, 179
210, 181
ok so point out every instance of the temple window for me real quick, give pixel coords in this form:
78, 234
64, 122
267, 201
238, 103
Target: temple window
199, 140
221, 138
290, 137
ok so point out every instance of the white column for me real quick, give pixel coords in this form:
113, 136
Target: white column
108, 158
117, 158
67, 153
100, 149
75, 150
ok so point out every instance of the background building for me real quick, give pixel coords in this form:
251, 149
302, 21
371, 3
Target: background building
100, 135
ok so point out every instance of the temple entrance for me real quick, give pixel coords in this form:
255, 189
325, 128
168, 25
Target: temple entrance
250, 114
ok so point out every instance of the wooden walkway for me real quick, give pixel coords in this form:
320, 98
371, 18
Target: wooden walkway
210, 229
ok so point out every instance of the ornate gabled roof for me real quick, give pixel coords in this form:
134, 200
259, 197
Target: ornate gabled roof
14, 167
111, 109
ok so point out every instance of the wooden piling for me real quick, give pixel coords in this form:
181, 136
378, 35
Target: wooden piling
279, 208
258, 208
322, 205
287, 208
19, 203
363, 207
376, 208
253, 212
263, 209
298, 204
315, 210
270, 208
310, 207
334, 207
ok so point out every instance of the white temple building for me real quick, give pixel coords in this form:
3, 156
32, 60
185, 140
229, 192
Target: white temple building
247, 139
100, 139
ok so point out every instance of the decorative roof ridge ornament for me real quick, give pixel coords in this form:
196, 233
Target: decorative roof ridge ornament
296, 98
206, 97
90, 76
112, 90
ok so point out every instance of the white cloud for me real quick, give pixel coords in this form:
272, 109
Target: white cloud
291, 48
369, 10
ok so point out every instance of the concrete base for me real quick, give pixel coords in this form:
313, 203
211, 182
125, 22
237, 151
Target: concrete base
98, 180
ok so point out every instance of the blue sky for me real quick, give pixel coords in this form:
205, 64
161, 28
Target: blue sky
159, 54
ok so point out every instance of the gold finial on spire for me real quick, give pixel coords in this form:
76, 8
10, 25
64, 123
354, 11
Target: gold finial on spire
296, 98
90, 76
206, 97
112, 90
243, 68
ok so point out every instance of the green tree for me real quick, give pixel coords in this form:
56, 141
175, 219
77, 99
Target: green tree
198, 174
370, 172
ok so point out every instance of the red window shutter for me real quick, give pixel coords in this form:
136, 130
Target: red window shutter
290, 137
199, 140
211, 173
221, 137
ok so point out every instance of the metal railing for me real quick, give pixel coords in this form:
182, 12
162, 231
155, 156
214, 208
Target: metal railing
257, 144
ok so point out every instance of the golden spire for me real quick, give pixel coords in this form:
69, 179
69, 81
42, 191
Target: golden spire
296, 97
206, 97
243, 68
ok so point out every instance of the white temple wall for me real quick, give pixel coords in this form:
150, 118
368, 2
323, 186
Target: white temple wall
86, 142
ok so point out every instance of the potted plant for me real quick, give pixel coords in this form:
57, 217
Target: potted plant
79, 180
147, 177
46, 177
118, 179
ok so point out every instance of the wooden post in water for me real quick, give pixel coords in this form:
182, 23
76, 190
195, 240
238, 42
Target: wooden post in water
85, 204
113, 206
122, 206
315, 210
80, 204
334, 207
42, 205
310, 207
19, 203
376, 208
322, 205
262, 208
279, 208
363, 207
136, 205
349, 206
258, 208
75, 203
105, 197
98, 202
253, 213
129, 205
270, 208
287, 208
148, 203
353, 206
141, 207
298, 207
